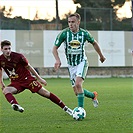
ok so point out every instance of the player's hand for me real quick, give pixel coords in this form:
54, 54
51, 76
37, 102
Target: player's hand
42, 81
57, 65
102, 59
2, 86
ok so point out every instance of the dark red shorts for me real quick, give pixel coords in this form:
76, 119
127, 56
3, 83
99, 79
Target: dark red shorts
30, 83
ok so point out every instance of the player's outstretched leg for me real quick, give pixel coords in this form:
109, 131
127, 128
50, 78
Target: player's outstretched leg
92, 95
57, 101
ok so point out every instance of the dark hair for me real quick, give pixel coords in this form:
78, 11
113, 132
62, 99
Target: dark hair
76, 15
5, 43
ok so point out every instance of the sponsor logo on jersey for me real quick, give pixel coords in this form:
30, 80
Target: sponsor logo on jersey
12, 74
74, 44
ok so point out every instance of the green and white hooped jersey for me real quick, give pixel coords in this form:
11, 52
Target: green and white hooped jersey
74, 44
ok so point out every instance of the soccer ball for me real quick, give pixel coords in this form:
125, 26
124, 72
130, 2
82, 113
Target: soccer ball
79, 113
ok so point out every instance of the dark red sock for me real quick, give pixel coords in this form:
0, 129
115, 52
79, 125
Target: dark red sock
56, 100
11, 99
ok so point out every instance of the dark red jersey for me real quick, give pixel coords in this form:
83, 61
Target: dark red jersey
15, 68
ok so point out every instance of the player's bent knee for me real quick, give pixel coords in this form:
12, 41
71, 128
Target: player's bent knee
9, 90
78, 85
5, 91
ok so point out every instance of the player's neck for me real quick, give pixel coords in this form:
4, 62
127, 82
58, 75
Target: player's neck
8, 58
75, 31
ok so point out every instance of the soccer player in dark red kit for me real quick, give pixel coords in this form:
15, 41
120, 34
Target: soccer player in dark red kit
20, 73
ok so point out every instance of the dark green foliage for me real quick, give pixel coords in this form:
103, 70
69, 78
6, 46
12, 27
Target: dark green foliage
99, 3
96, 15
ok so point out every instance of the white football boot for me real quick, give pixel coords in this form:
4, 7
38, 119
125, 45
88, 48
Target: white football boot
68, 110
17, 107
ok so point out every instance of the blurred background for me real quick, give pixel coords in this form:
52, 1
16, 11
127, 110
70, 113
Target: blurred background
96, 15
32, 26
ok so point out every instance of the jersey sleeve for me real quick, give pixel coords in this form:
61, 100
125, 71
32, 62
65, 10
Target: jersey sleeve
1, 62
89, 37
60, 39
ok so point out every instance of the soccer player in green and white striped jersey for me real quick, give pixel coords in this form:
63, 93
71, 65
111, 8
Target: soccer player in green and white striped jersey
74, 39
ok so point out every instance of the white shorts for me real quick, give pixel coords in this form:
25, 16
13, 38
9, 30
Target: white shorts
78, 71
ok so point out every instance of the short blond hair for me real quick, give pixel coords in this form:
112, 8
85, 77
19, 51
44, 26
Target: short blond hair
76, 15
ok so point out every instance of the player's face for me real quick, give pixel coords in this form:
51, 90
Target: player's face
73, 24
6, 51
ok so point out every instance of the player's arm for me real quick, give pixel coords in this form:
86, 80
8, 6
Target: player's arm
98, 50
1, 79
25, 63
57, 58
59, 40
95, 45
33, 71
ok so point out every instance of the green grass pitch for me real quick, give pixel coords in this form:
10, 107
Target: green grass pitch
114, 114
